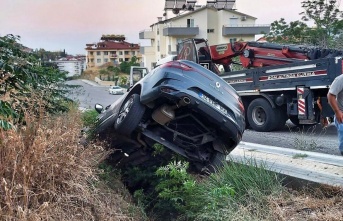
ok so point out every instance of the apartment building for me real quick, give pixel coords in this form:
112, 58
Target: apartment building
111, 49
216, 25
73, 65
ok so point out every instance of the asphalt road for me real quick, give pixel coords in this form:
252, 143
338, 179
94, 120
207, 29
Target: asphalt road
311, 138
91, 93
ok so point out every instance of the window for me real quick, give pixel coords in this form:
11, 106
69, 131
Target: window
190, 23
133, 53
210, 30
126, 59
158, 46
120, 60
126, 52
120, 53
98, 60
234, 22
98, 53
158, 31
91, 53
106, 60
92, 60
105, 52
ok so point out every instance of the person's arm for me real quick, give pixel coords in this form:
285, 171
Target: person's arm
333, 103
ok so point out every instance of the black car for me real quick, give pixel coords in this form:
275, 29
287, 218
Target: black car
181, 105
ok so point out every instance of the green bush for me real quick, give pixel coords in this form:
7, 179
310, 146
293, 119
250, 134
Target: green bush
89, 117
236, 192
23, 77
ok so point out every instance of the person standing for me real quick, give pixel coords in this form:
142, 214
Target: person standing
335, 99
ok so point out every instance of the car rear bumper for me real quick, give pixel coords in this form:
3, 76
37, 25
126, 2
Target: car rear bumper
231, 127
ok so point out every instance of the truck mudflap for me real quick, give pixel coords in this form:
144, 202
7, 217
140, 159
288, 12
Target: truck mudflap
306, 113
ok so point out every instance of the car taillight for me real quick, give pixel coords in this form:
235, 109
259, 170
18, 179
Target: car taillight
175, 64
241, 106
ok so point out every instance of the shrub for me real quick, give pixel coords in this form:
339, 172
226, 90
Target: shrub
23, 79
89, 117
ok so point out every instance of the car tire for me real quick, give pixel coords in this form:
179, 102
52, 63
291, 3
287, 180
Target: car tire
129, 116
261, 116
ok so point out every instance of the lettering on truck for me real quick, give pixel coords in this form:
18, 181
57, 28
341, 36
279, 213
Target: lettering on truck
293, 75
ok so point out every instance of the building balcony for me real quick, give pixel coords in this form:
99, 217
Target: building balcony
245, 29
113, 55
147, 50
146, 34
180, 31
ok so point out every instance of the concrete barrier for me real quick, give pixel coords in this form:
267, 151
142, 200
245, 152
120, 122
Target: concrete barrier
314, 167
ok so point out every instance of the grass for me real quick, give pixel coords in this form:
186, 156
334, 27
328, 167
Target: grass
236, 192
299, 155
307, 139
47, 175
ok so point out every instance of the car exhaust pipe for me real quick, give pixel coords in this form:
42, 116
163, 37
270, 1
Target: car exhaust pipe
185, 100
166, 113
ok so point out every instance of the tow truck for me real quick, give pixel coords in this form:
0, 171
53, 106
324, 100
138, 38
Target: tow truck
276, 83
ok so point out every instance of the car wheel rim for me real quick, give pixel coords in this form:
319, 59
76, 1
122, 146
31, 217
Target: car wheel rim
259, 116
124, 110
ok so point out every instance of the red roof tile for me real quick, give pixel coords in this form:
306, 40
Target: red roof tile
110, 45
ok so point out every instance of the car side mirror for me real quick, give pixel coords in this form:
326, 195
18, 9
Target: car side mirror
98, 108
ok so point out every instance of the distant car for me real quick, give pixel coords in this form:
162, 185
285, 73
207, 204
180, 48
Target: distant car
116, 90
181, 105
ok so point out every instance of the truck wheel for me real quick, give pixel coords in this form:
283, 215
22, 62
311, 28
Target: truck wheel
294, 119
261, 116
129, 116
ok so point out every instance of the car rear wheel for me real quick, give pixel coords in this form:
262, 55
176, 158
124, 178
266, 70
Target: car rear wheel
129, 116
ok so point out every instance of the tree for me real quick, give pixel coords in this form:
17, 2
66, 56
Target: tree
326, 17
126, 66
339, 42
295, 32
24, 82
113, 69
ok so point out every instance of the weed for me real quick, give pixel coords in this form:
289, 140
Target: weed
47, 175
299, 155
89, 117
158, 149
307, 139
236, 190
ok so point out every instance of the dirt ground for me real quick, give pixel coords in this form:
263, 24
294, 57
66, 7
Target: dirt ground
321, 203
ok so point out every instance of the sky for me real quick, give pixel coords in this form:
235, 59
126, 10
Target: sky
71, 24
